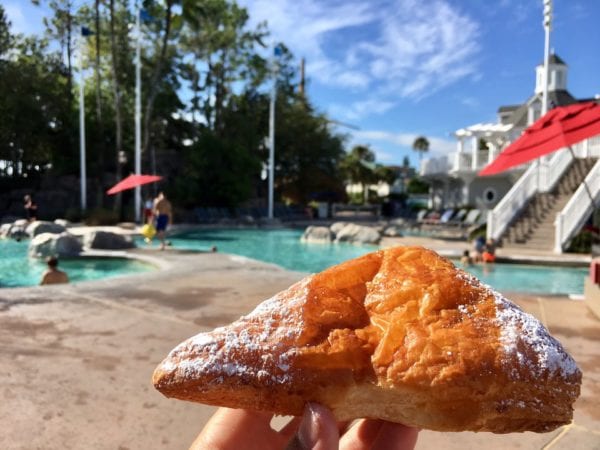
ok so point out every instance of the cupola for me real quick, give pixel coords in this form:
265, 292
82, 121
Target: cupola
557, 75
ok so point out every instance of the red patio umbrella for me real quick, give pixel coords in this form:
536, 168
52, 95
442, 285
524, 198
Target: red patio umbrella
561, 127
132, 181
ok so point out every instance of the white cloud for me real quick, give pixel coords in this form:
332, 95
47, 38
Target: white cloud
360, 109
306, 26
437, 146
392, 49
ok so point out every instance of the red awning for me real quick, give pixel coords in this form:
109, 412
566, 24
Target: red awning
561, 127
131, 182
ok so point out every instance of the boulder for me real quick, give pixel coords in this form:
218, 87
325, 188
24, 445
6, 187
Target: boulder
105, 240
5, 229
21, 223
12, 231
62, 222
40, 226
358, 234
337, 226
50, 244
400, 222
392, 231
317, 234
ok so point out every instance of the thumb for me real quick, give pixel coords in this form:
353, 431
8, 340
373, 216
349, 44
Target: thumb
318, 430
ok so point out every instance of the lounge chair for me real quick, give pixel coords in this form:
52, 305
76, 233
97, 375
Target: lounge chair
472, 218
437, 217
421, 215
457, 218
447, 215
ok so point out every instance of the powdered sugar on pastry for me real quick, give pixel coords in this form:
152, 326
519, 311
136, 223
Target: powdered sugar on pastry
544, 353
263, 332
516, 326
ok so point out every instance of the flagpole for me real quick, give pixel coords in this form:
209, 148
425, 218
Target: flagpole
82, 168
138, 114
547, 20
547, 23
272, 145
276, 52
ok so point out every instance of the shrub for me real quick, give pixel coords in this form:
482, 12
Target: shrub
581, 243
73, 215
481, 230
101, 216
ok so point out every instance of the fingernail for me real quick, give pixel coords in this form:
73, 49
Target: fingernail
308, 433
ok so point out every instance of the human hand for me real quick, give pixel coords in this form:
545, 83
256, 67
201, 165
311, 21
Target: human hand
236, 429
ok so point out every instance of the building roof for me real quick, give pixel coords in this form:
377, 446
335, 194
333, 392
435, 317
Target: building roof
518, 118
554, 59
483, 129
508, 108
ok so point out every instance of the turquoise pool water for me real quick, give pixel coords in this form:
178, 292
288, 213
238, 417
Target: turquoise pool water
16, 269
283, 247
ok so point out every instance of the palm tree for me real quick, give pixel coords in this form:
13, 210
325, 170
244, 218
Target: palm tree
421, 145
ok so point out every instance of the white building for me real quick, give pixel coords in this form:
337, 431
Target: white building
454, 178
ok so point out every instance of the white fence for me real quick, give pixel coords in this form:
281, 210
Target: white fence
514, 200
543, 176
570, 220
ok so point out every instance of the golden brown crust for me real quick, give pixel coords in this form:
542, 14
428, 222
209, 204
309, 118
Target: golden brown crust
399, 334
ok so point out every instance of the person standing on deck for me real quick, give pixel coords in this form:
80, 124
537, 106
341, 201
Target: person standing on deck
163, 213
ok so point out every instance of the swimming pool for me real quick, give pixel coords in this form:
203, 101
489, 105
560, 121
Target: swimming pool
16, 269
283, 247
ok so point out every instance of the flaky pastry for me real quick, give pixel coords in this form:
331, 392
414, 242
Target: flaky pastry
399, 334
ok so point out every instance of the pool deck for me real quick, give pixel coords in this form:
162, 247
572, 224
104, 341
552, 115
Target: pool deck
76, 360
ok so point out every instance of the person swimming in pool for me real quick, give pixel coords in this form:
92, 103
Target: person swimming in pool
53, 275
163, 213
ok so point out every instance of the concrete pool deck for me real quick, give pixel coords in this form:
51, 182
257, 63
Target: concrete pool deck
76, 360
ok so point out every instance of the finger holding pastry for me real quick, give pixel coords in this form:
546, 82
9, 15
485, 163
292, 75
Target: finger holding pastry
235, 429
317, 429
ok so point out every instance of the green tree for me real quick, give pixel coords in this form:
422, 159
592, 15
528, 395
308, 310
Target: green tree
360, 168
385, 174
163, 55
35, 127
417, 186
224, 52
421, 146
307, 154
406, 162
207, 45
5, 36
60, 27
215, 173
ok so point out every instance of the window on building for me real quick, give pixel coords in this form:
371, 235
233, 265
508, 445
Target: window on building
558, 82
490, 195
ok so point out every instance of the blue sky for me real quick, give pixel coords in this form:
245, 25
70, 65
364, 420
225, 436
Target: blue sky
398, 69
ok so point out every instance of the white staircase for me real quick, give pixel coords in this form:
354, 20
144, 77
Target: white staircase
542, 176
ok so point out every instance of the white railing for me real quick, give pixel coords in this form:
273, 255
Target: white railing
537, 178
525, 188
435, 166
592, 147
552, 171
570, 220
543, 178
462, 161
